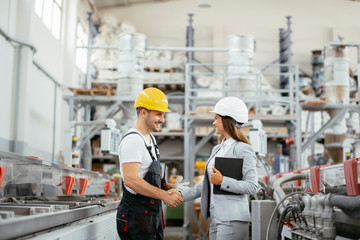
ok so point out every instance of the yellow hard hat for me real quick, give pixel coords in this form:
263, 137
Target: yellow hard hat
152, 99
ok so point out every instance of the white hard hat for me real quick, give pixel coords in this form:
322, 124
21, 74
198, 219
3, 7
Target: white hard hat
232, 107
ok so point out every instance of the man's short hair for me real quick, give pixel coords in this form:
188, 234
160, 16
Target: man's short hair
138, 109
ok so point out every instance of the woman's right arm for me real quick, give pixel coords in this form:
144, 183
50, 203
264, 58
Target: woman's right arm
191, 193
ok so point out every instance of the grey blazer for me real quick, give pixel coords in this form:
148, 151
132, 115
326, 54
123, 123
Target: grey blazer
228, 207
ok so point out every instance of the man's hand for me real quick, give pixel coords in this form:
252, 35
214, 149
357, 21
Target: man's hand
174, 198
216, 177
169, 186
174, 191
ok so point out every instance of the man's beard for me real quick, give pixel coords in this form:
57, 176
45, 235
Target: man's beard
151, 125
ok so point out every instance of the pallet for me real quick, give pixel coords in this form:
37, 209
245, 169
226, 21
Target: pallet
92, 91
104, 86
170, 70
176, 130
166, 87
313, 105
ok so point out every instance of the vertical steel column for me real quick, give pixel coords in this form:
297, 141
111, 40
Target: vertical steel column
190, 44
189, 160
285, 53
298, 138
289, 39
282, 58
190, 38
86, 156
88, 56
188, 207
358, 79
312, 130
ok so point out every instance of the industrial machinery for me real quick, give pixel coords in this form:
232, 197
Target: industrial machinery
110, 137
44, 200
322, 202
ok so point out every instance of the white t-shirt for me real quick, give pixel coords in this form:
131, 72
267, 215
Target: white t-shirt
132, 149
225, 146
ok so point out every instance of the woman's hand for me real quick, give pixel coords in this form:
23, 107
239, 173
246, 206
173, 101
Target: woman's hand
216, 177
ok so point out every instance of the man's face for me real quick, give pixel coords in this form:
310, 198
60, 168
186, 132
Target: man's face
154, 119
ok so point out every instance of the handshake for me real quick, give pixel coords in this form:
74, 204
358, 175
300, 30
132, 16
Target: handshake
174, 196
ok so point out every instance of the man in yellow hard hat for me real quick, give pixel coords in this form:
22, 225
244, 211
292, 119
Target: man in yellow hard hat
139, 214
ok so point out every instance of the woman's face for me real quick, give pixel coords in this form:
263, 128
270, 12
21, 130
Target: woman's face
218, 125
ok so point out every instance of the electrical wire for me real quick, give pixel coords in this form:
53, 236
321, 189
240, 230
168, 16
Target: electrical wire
282, 216
275, 209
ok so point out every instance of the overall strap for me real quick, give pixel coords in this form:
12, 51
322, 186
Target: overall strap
146, 146
157, 152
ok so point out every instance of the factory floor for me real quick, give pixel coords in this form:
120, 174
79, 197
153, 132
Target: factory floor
173, 233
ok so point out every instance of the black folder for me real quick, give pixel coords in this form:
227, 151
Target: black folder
229, 167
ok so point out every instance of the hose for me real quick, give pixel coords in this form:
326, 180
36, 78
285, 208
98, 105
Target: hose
350, 205
276, 207
278, 190
282, 216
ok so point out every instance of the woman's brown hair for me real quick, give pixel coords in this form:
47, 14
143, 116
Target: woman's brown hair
232, 130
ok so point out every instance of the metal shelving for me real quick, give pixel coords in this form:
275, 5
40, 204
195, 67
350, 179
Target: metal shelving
256, 98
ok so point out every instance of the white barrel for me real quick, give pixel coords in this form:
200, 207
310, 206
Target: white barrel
336, 75
129, 86
240, 55
241, 42
132, 42
336, 83
131, 63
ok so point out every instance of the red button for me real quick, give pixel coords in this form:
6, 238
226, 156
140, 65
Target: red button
151, 202
123, 215
146, 212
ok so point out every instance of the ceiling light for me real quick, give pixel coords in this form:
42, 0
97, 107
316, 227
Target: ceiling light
204, 3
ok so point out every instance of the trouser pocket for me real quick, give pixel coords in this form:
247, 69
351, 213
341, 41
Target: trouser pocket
122, 221
146, 224
121, 225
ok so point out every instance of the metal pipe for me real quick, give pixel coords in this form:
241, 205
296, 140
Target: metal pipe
13, 147
54, 124
150, 48
188, 49
328, 124
298, 121
91, 123
204, 66
57, 83
278, 189
87, 76
11, 39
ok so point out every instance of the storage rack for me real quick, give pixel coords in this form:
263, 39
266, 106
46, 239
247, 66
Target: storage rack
258, 99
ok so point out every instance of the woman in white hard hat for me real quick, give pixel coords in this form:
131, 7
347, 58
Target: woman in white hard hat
229, 213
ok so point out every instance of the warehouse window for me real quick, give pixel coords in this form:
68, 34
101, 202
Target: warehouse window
81, 53
50, 13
